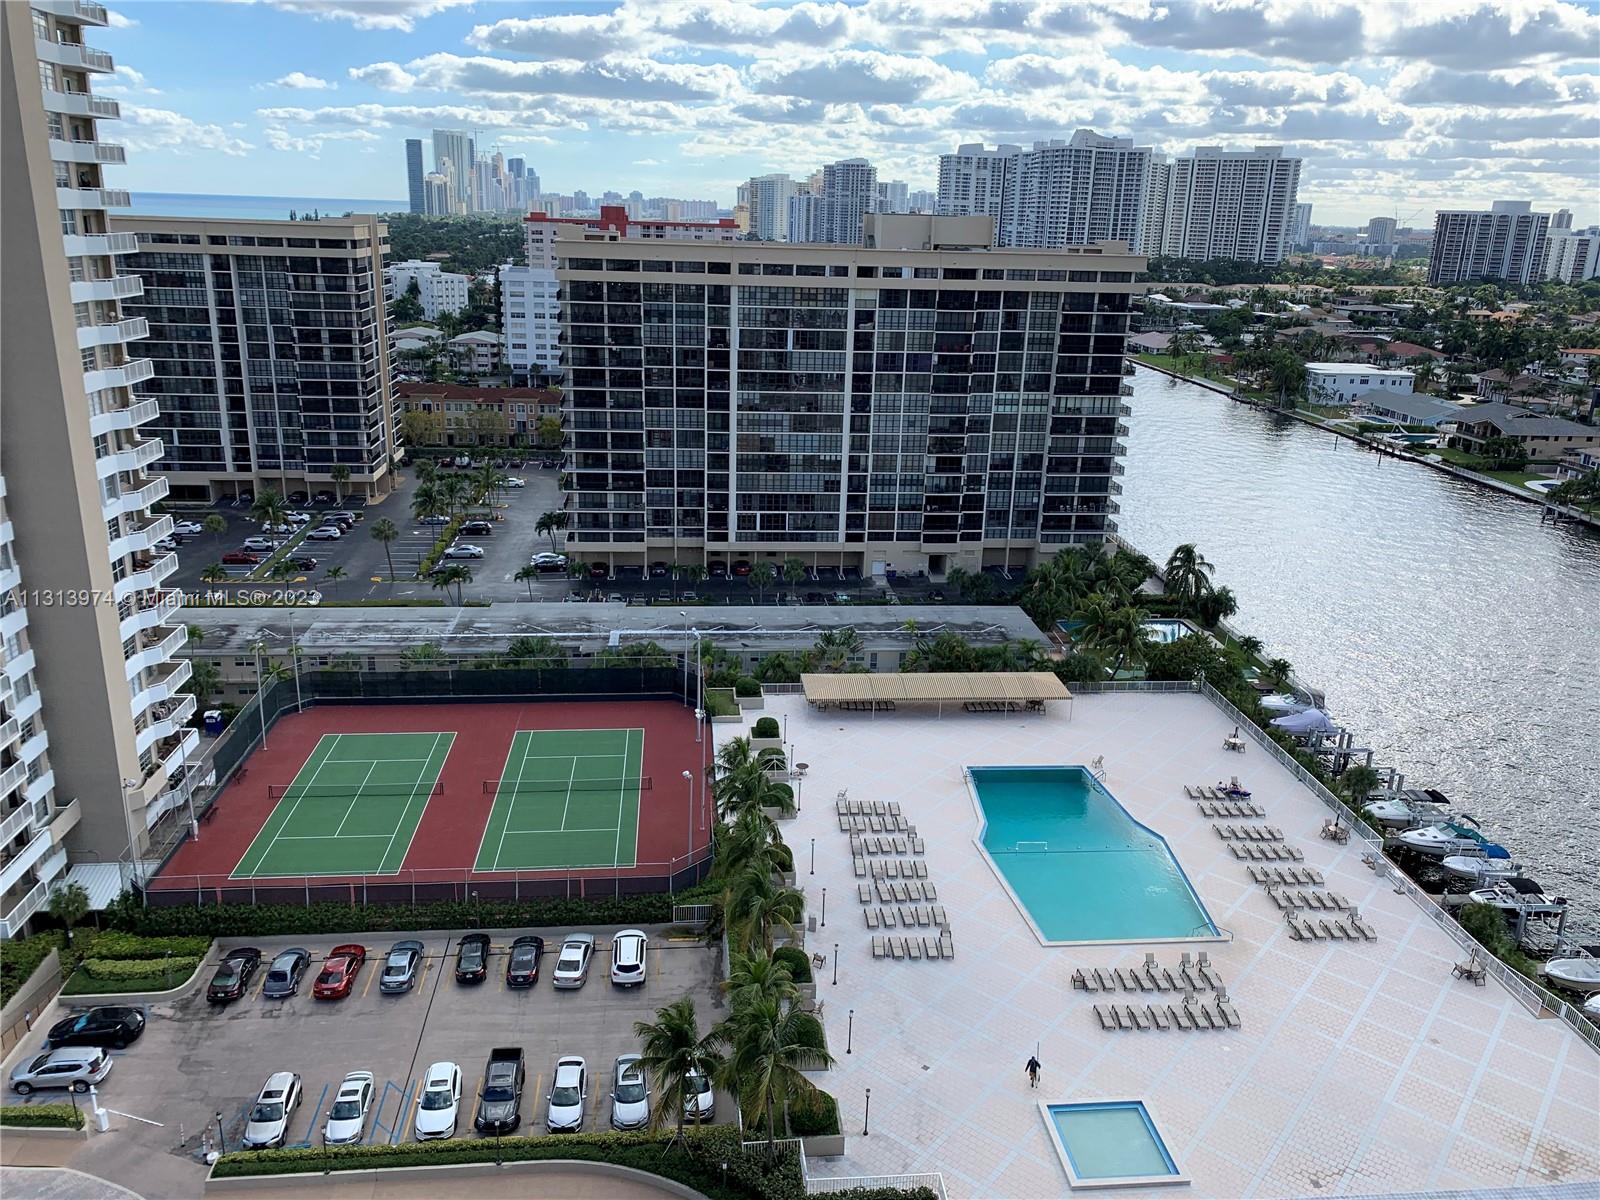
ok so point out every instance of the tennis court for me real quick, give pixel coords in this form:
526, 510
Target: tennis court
566, 798
352, 809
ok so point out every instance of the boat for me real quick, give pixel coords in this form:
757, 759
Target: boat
1486, 868
1509, 894
1443, 839
1284, 703
1409, 809
1578, 973
1591, 1008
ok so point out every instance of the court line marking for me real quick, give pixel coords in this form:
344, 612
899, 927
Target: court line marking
566, 805
295, 807
322, 837
355, 799
488, 824
638, 807
411, 799
622, 787
501, 844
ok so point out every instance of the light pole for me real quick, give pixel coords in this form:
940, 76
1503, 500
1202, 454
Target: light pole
867, 1115
261, 705
684, 613
222, 1142
689, 779
294, 662
699, 689
850, 1031
836, 964
824, 908
813, 856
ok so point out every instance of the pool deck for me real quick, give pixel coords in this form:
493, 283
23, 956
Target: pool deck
1361, 1069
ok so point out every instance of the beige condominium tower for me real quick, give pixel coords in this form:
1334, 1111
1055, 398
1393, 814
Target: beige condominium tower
89, 629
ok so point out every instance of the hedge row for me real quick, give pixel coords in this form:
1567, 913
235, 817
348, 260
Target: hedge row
20, 958
271, 920
446, 537
176, 968
113, 943
41, 1116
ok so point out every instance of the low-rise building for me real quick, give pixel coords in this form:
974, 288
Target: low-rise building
1547, 439
1499, 385
1403, 408
453, 414
438, 291
1577, 463
1341, 383
477, 353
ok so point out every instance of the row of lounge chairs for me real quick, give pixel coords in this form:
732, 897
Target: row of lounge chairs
866, 808
1348, 928
891, 946
886, 844
1266, 852
889, 892
1230, 808
1289, 898
1151, 977
1249, 833
892, 868
909, 915
1292, 876
1220, 1015
875, 824
996, 706
1206, 792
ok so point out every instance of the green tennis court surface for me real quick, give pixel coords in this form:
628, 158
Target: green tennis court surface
352, 808
566, 798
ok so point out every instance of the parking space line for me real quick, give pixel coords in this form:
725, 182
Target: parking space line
371, 975
416, 1103
427, 962
538, 1099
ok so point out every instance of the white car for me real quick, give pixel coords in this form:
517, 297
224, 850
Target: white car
325, 533
347, 1119
464, 550
298, 518
281, 527
572, 967
435, 519
511, 481
699, 1098
628, 950
568, 1091
186, 528
630, 1095
260, 544
440, 1106
268, 1123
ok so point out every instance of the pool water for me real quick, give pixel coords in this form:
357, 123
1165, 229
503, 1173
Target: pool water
1081, 867
1167, 631
1111, 1141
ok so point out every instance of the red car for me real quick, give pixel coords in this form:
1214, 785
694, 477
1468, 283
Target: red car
240, 558
339, 972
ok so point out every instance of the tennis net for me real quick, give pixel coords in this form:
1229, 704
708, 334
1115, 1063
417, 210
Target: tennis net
521, 787
341, 791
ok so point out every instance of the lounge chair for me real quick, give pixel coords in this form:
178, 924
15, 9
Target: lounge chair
1106, 980
1230, 1015
918, 846
923, 918
1327, 932
1108, 1019
899, 844
1207, 809
939, 917
1342, 930
842, 807
1360, 926
1200, 1014
873, 920
1124, 978
914, 948
947, 944
897, 947
929, 892
1189, 792
1117, 1016
1158, 1018
1180, 1016
931, 948
1209, 974
1080, 982
894, 808
918, 867
1135, 1018
864, 893
861, 868
908, 915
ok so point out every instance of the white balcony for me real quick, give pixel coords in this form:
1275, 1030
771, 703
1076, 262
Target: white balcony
145, 577
134, 458
34, 746
156, 655
34, 852
163, 688
81, 11
10, 577
24, 708
181, 753
91, 198
13, 777
113, 333
40, 788
118, 287
72, 54
14, 622
143, 538
81, 104
11, 924
136, 501
129, 416
83, 151
15, 668
168, 725
10, 730
126, 375
99, 245
15, 822
160, 611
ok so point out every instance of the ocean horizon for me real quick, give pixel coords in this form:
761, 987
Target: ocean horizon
253, 208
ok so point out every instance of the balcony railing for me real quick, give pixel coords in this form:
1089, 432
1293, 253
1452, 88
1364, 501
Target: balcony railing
133, 458
81, 104
117, 287
73, 54
85, 150
147, 575
113, 333
155, 655
136, 501
15, 822
125, 374
164, 687
142, 538
76, 10
166, 722
11, 924
156, 612
13, 777
128, 417
99, 245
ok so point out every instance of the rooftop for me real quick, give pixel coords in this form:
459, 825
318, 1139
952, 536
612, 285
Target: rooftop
1509, 418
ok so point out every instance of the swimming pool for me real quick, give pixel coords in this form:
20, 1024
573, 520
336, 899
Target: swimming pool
1079, 867
1165, 631
1110, 1144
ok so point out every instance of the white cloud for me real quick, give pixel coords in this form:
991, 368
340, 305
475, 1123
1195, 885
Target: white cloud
616, 76
401, 15
648, 162
119, 20
300, 81
125, 81
163, 129
387, 76
279, 138
867, 76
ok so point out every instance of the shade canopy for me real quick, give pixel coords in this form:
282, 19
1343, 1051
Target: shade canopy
1313, 720
935, 687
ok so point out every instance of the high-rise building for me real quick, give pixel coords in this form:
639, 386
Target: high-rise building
455, 158
849, 192
269, 351
768, 197
1506, 243
414, 175
1226, 204
922, 201
438, 290
977, 182
1561, 220
1302, 224
884, 408
1381, 230
893, 196
1573, 255
75, 457
805, 218
436, 200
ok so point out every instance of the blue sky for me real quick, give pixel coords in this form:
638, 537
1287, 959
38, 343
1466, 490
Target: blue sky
1397, 108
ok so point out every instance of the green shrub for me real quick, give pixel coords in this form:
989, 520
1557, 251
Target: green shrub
20, 958
720, 702
795, 959
439, 547
810, 1033
41, 1116
747, 687
722, 677
814, 1115
113, 943
767, 727
177, 968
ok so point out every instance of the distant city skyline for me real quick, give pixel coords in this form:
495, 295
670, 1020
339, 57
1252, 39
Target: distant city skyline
1456, 105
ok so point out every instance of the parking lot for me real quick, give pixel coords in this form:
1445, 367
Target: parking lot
197, 1060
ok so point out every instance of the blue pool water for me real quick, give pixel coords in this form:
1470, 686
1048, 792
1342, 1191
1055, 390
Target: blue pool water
1167, 631
1082, 867
1111, 1141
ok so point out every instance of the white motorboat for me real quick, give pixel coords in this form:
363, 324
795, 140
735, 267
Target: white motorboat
1489, 867
1443, 839
1578, 973
1283, 703
1509, 894
1591, 1008
1402, 814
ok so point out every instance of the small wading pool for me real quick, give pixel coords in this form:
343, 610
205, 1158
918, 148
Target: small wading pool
1109, 1144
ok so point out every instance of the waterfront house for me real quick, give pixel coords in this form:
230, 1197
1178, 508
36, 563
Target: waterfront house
1547, 439
1498, 385
1577, 463
1341, 383
1413, 409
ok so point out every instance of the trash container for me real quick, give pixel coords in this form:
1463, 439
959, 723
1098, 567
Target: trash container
213, 721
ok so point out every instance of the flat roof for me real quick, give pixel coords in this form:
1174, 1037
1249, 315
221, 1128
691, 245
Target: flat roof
935, 687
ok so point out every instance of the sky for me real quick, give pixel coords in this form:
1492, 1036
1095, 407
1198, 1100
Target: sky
1398, 108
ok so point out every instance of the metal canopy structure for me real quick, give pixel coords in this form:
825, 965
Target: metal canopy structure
874, 692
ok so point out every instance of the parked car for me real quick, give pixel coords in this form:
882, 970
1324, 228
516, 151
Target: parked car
522, 967
548, 562
345, 524
477, 529
347, 1119
472, 958
511, 481
111, 1025
232, 977
616, 598
296, 498
400, 967
245, 498
742, 567
302, 562
630, 1096
339, 972
259, 544
324, 498
463, 550
440, 1106
283, 976
167, 543
500, 1100
568, 1090
298, 518
280, 527
598, 570
325, 533
75, 1067
187, 528
240, 558
699, 1098
628, 958
716, 570
434, 519
268, 1123
572, 967
342, 514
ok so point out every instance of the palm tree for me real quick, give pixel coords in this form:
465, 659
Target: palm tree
671, 1049
69, 904
216, 525
1217, 605
794, 570
454, 492
426, 501
1279, 670
1250, 645
527, 573
690, 573
836, 647
486, 480
452, 573
427, 471
340, 476
550, 522
770, 1053
334, 575
215, 573
1188, 574
1115, 632
386, 533
268, 507
204, 680
757, 975
761, 577
1358, 782
757, 905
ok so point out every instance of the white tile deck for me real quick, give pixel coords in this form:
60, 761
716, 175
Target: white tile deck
1361, 1068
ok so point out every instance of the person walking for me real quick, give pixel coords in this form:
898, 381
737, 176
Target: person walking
1033, 1071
